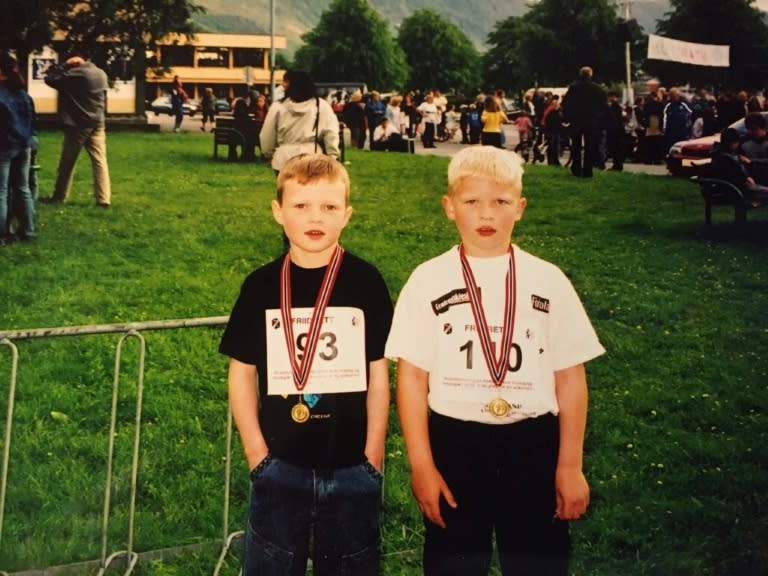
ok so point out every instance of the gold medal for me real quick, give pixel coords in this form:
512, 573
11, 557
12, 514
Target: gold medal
499, 407
300, 412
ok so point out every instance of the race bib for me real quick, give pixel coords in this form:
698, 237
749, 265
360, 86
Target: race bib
339, 364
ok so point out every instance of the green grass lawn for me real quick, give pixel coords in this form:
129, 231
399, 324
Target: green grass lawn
677, 444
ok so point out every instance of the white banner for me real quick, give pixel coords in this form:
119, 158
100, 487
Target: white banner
662, 48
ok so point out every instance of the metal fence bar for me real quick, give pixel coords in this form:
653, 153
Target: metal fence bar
129, 330
8, 428
113, 328
131, 557
228, 538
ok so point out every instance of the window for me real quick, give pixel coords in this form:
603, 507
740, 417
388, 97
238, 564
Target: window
249, 57
212, 57
178, 56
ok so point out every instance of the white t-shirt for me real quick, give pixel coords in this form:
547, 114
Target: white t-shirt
430, 112
434, 329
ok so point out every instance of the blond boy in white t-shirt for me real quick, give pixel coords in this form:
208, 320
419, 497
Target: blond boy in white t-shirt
491, 388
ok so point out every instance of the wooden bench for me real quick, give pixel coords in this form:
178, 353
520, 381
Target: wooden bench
718, 192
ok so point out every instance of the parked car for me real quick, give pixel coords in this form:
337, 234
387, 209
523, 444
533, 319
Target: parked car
221, 105
162, 105
691, 157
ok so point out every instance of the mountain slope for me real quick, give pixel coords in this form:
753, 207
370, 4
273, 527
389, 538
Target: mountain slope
295, 17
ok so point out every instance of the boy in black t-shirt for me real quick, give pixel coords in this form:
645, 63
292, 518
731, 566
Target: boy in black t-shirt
309, 386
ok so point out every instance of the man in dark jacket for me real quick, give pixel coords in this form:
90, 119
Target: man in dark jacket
82, 104
582, 106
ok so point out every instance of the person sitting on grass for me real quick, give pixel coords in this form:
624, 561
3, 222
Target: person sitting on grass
386, 136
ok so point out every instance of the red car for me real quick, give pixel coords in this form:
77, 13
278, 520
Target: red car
690, 157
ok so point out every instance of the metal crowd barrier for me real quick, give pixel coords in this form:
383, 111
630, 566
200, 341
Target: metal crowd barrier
129, 330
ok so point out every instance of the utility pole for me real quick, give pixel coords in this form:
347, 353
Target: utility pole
272, 50
629, 93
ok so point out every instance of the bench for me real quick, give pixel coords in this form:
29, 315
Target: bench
227, 134
229, 137
718, 192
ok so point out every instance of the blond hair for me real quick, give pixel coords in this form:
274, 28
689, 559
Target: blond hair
310, 168
486, 162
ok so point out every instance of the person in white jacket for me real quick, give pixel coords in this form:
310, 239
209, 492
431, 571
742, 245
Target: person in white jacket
300, 123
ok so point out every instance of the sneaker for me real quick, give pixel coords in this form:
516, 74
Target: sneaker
51, 200
103, 204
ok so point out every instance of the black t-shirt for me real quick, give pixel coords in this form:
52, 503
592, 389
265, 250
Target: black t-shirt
335, 434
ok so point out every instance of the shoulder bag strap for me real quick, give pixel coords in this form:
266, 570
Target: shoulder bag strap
317, 121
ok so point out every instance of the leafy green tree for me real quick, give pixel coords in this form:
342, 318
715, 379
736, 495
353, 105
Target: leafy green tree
736, 23
568, 34
130, 25
439, 54
134, 23
352, 42
504, 65
21, 26
31, 23
552, 41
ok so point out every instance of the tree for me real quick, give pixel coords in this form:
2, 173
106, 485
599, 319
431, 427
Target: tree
568, 34
553, 40
439, 54
21, 26
503, 64
352, 42
130, 26
736, 23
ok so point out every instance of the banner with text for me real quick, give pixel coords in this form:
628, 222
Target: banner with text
662, 48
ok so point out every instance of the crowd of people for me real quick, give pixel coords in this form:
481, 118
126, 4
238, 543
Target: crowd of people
597, 128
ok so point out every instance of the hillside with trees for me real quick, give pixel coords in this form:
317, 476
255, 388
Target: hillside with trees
295, 17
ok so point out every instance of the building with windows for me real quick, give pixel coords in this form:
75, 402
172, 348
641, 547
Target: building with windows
228, 63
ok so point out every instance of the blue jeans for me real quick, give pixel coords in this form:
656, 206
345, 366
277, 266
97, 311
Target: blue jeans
336, 510
15, 195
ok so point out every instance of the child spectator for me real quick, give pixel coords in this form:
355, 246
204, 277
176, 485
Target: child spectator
464, 123
493, 119
452, 118
524, 127
492, 391
309, 386
475, 123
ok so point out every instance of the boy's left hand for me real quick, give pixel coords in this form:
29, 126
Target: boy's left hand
572, 493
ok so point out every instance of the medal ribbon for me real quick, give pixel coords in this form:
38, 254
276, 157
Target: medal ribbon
496, 368
301, 369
